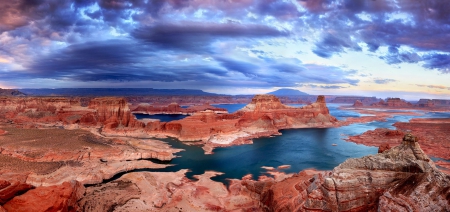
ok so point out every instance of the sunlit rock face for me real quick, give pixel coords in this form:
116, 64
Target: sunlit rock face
399, 179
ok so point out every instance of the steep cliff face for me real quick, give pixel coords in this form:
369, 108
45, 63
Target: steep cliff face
400, 179
264, 102
34, 109
358, 103
111, 110
51, 110
264, 116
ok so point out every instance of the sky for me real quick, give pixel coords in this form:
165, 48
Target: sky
383, 48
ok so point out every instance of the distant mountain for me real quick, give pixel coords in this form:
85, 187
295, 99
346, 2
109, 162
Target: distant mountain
113, 92
11, 92
288, 92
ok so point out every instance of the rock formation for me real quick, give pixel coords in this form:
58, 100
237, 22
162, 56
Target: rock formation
433, 102
399, 179
10, 189
429, 131
62, 197
264, 116
358, 103
393, 102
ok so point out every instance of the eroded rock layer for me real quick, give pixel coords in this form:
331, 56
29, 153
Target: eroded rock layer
399, 179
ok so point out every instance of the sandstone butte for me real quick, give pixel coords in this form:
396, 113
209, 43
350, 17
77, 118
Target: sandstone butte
264, 116
402, 178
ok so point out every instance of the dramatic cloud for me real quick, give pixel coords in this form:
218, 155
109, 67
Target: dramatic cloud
440, 62
320, 44
197, 37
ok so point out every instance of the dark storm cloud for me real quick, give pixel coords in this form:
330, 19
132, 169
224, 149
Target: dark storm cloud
196, 37
69, 39
422, 25
279, 9
315, 6
246, 68
396, 56
333, 44
440, 62
112, 60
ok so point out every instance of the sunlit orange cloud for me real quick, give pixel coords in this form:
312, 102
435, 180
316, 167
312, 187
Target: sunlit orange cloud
3, 60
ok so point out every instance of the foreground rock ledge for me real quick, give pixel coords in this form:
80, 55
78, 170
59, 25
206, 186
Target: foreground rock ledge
400, 179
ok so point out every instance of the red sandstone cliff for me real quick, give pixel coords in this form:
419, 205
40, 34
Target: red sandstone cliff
393, 102
400, 179
264, 116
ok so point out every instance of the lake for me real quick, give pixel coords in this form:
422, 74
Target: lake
299, 148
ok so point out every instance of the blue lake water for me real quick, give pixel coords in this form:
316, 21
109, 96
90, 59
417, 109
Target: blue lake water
300, 148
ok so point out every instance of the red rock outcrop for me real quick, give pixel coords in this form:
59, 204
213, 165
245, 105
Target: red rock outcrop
384, 147
400, 179
264, 116
378, 137
358, 103
393, 102
62, 197
2, 132
9, 189
433, 135
433, 102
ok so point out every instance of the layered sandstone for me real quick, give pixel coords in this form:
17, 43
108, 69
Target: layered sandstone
393, 102
358, 103
46, 157
432, 133
175, 108
399, 179
62, 197
264, 116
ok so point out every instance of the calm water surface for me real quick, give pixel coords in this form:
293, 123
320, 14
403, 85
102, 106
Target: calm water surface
300, 148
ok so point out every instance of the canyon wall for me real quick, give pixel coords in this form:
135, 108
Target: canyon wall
400, 179
263, 116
